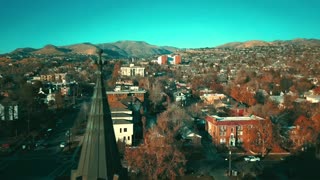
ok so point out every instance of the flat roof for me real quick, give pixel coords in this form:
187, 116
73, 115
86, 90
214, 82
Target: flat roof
237, 118
119, 109
120, 115
125, 92
121, 121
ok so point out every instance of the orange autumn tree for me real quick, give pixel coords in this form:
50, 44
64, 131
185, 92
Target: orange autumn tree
157, 158
260, 137
160, 156
317, 90
243, 94
316, 121
305, 130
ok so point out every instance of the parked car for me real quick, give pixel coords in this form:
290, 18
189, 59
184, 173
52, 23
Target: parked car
251, 159
63, 144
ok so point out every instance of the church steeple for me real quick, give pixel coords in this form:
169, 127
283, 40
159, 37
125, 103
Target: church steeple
99, 157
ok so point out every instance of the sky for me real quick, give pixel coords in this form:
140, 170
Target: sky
179, 23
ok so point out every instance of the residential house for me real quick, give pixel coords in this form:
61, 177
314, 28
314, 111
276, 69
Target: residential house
230, 130
120, 95
239, 109
313, 98
279, 100
190, 137
47, 96
122, 124
209, 98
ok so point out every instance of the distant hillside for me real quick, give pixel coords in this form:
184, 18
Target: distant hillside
136, 48
255, 43
119, 49
23, 50
51, 49
84, 48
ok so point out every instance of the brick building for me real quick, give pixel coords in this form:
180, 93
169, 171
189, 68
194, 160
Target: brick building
169, 59
162, 59
230, 130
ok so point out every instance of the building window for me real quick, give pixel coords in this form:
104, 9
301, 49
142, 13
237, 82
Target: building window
231, 129
239, 133
125, 130
222, 140
222, 133
124, 138
240, 128
120, 130
128, 138
223, 128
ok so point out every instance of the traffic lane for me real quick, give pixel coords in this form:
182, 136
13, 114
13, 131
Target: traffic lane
28, 168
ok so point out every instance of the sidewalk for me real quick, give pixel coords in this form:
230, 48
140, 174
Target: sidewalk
219, 174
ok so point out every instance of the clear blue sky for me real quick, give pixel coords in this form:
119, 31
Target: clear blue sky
180, 23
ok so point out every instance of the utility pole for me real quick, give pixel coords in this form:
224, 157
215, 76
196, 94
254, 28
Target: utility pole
229, 162
69, 143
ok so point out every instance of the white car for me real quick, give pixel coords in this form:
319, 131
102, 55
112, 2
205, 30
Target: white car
251, 159
62, 144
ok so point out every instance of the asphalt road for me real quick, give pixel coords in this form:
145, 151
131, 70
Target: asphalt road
43, 163
216, 165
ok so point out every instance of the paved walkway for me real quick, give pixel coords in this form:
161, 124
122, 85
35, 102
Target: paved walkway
219, 174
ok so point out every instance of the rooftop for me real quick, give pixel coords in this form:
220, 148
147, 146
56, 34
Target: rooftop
121, 121
237, 118
125, 92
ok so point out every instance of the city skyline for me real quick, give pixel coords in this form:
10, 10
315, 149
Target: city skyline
182, 24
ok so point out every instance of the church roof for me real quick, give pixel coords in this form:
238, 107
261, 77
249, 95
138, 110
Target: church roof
99, 157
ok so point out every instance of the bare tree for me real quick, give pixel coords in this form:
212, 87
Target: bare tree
160, 156
260, 137
156, 93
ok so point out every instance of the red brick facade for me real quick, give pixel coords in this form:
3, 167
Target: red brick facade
230, 130
177, 59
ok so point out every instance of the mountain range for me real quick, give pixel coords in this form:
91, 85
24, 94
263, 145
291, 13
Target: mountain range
119, 49
140, 49
255, 43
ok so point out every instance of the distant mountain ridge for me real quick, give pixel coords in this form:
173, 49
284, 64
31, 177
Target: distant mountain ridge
255, 43
119, 49
141, 49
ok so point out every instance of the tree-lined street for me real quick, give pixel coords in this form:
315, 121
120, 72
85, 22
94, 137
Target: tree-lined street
46, 161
